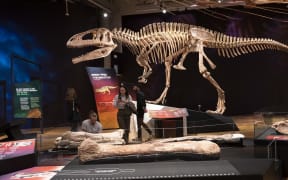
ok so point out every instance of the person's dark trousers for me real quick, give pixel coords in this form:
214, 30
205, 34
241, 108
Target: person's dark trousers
124, 123
141, 123
74, 126
75, 118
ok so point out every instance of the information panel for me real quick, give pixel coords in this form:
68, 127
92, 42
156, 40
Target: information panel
27, 100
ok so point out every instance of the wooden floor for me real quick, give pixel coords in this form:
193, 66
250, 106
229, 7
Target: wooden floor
46, 140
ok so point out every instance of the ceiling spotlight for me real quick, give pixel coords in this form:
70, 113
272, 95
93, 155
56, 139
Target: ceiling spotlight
105, 15
219, 1
164, 11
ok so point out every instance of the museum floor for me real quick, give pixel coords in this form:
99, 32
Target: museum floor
45, 143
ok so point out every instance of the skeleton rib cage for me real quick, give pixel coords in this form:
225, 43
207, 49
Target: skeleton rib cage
159, 40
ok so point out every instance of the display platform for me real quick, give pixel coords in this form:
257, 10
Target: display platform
197, 122
17, 155
153, 157
270, 144
256, 169
148, 170
202, 122
268, 135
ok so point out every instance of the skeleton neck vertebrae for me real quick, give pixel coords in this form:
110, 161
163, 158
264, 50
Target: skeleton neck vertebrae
167, 42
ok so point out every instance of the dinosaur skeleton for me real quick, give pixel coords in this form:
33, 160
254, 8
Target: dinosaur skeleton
165, 43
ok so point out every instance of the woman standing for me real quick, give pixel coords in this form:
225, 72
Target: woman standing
123, 114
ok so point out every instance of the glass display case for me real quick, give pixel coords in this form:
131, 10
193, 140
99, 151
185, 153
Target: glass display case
268, 142
263, 124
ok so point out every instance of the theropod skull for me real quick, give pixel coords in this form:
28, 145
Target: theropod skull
100, 38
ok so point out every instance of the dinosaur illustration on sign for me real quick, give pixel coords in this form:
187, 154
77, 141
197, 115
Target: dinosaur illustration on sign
165, 43
105, 89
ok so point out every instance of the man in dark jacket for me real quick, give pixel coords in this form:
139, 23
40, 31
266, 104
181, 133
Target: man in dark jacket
72, 108
141, 109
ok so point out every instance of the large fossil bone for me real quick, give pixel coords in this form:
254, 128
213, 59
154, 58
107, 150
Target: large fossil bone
90, 151
165, 43
71, 140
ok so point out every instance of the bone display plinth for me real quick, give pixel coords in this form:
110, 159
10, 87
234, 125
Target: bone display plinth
90, 150
166, 42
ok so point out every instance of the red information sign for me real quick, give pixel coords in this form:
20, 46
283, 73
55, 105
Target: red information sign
105, 87
277, 137
18, 148
168, 113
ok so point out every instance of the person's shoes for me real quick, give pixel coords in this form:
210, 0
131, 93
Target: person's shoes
150, 137
136, 141
126, 141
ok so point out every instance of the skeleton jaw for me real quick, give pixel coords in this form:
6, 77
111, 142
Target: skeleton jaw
99, 38
96, 54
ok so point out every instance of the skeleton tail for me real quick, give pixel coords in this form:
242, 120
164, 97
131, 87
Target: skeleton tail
229, 46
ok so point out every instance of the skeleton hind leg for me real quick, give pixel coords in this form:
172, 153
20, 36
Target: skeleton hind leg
221, 94
162, 98
147, 70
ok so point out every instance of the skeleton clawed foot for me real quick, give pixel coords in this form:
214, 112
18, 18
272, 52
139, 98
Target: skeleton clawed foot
179, 67
162, 98
220, 108
143, 78
217, 111
151, 102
